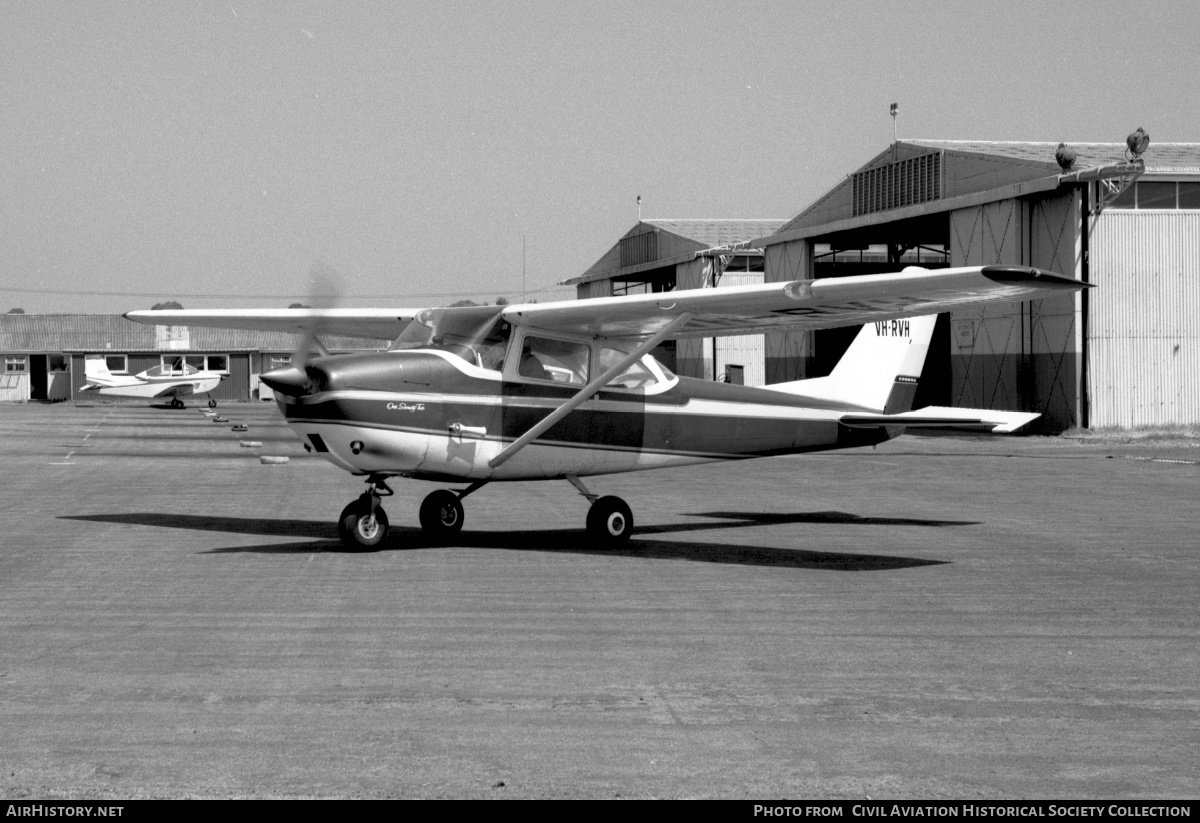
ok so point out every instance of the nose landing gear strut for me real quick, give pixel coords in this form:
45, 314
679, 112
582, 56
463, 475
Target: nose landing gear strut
363, 524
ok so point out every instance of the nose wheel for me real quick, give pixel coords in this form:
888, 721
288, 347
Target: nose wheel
363, 524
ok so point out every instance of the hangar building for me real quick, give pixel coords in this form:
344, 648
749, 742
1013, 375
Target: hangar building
44, 353
1124, 354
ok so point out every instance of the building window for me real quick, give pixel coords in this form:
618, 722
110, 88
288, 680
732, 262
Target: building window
1155, 194
278, 361
1189, 195
116, 363
57, 363
14, 363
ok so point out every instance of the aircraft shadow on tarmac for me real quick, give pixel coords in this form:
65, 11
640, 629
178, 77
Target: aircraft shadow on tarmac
322, 536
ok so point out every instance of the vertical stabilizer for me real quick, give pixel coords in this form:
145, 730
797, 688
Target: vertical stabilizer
879, 371
94, 365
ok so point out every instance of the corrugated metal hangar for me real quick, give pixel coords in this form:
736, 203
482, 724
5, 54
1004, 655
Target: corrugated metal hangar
1124, 354
44, 353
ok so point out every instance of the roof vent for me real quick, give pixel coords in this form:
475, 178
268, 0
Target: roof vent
894, 185
640, 248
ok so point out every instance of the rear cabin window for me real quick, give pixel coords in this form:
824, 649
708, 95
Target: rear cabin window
635, 376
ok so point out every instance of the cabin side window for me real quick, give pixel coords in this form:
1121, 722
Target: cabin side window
558, 361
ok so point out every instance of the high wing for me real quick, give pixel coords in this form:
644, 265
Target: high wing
796, 305
376, 324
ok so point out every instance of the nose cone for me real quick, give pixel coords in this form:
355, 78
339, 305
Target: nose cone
290, 380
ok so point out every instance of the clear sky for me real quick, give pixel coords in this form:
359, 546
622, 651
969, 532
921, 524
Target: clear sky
221, 153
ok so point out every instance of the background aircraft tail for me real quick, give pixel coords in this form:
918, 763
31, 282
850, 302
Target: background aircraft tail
94, 365
876, 381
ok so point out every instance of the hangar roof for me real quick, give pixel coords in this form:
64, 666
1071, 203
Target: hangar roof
914, 178
652, 244
112, 332
1160, 158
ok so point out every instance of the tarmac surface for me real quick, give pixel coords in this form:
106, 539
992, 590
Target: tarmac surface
943, 617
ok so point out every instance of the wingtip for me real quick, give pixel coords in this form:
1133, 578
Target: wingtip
1029, 275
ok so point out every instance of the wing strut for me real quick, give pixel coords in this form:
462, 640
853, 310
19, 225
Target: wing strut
587, 391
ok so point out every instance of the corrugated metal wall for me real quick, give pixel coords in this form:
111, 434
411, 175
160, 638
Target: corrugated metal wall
745, 350
237, 385
1144, 328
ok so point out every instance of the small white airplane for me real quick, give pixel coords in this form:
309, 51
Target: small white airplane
174, 380
568, 389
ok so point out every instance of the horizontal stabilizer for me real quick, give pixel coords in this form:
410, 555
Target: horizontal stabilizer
944, 417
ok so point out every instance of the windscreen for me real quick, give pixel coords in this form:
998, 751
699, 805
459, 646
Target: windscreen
474, 333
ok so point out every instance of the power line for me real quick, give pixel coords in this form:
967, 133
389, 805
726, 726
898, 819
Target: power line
273, 296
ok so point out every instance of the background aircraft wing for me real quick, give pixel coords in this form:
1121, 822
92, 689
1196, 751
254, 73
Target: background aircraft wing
796, 305
376, 324
176, 390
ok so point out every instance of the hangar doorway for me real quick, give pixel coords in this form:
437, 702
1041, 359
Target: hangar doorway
37, 377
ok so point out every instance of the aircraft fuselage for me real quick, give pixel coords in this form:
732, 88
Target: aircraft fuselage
429, 415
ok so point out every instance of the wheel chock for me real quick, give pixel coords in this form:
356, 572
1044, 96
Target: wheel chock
251, 444
271, 460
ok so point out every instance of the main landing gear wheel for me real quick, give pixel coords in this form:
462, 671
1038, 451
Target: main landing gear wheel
176, 403
360, 528
442, 514
610, 521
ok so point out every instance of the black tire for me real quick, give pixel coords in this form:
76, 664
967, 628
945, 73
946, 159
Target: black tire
355, 529
442, 514
610, 521
212, 404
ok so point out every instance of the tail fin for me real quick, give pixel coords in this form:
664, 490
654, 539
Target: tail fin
879, 372
94, 365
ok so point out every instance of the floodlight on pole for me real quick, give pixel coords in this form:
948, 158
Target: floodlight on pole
894, 111
1137, 143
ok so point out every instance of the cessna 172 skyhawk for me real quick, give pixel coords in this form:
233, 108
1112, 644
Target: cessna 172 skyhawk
175, 378
568, 389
